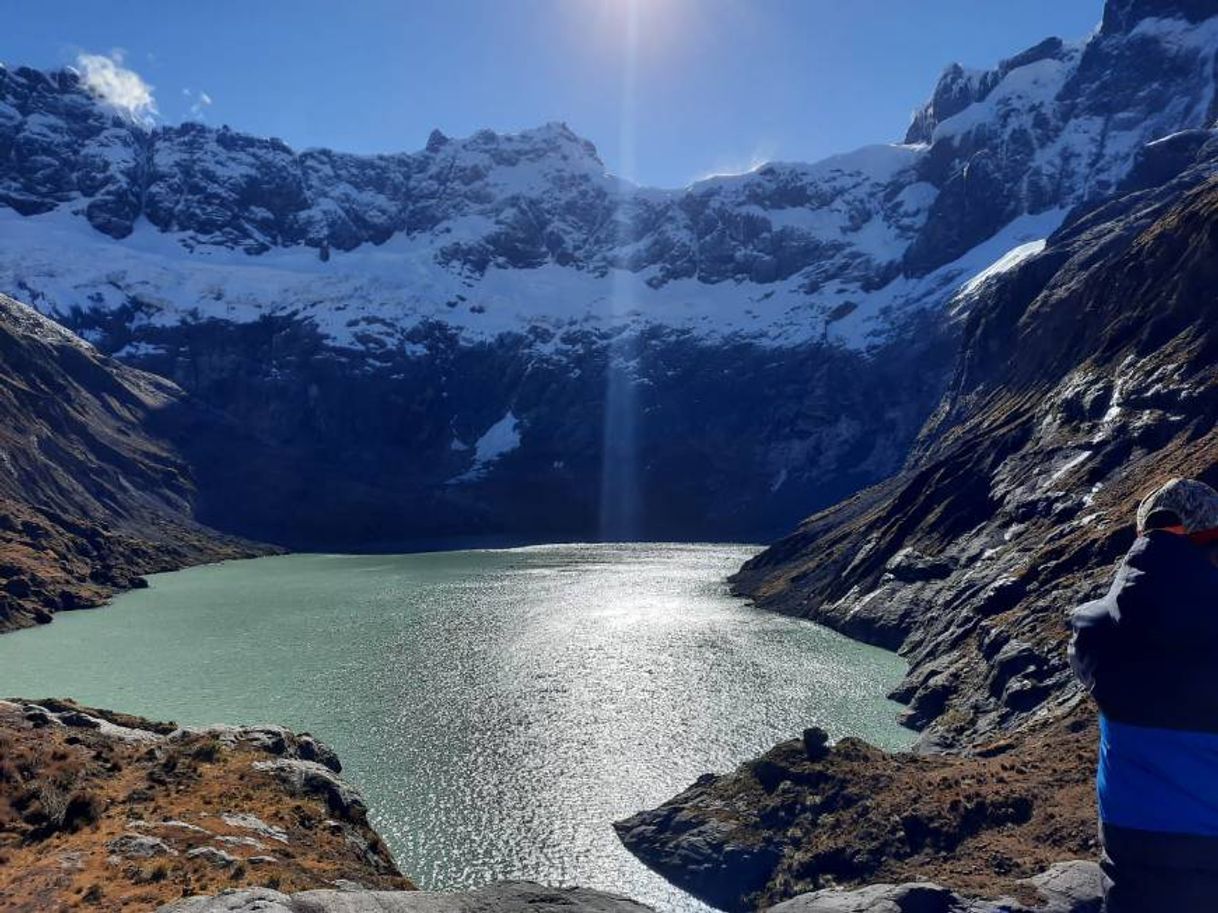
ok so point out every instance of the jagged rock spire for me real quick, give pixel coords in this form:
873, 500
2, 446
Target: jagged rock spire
1123, 15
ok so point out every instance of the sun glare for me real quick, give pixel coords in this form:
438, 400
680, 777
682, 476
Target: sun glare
658, 28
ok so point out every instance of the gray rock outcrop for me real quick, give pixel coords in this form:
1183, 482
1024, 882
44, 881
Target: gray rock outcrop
1069, 887
503, 897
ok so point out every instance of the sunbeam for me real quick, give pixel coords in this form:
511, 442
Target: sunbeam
621, 498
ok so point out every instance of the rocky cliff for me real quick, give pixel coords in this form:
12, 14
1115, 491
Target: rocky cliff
90, 497
493, 335
1086, 377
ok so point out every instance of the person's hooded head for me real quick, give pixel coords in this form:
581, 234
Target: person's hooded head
1182, 506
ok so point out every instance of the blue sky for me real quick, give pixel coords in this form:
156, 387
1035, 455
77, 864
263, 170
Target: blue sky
719, 84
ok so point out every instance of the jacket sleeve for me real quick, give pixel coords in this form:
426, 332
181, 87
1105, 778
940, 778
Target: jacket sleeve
1165, 593
1093, 625
1152, 602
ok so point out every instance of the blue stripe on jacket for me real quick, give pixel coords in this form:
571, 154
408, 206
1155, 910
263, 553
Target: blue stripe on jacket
1162, 780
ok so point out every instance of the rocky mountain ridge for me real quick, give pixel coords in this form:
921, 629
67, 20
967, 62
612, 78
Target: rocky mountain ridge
1087, 374
482, 330
1049, 128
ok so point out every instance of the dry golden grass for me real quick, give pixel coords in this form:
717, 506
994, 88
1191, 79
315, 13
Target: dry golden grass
67, 792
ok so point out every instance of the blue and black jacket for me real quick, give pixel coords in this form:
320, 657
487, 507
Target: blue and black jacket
1148, 652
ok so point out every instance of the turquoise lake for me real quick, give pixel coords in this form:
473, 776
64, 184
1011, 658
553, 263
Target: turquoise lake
498, 708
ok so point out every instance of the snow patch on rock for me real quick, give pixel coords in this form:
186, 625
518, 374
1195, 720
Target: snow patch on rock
501, 438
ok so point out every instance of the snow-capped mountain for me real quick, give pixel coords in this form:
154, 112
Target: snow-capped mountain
236, 226
490, 282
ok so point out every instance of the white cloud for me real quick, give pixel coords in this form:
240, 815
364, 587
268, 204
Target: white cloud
198, 102
106, 77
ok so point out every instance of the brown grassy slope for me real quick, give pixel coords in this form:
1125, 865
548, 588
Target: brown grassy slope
94, 820
793, 821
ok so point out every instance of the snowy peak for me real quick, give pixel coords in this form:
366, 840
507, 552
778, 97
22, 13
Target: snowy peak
553, 146
552, 139
1057, 125
530, 228
221, 188
1124, 15
958, 88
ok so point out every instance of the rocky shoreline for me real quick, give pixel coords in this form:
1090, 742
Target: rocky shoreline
108, 812
59, 565
104, 811
807, 815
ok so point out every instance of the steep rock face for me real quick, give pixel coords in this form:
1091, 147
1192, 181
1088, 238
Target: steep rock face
1058, 124
494, 330
1048, 128
1054, 125
1085, 378
496, 438
1122, 15
509, 201
89, 498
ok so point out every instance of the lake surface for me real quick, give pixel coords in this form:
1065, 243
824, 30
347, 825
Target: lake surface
499, 709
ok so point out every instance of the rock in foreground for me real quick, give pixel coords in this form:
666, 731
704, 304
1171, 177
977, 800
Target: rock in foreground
804, 817
114, 812
1068, 887
504, 897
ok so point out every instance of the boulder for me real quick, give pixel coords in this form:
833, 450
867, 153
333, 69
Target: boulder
139, 846
218, 858
310, 778
1076, 886
881, 898
1067, 887
255, 824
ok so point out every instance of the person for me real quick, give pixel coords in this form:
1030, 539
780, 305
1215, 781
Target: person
1148, 653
